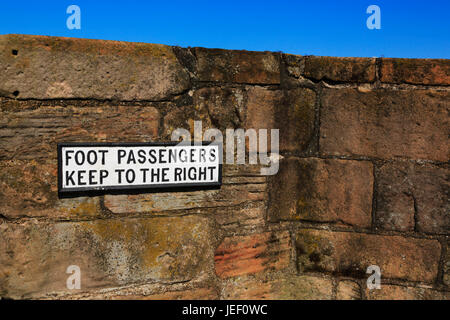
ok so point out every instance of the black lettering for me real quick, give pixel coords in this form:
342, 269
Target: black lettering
119, 174
183, 155
172, 156
69, 178
211, 171
77, 158
130, 175
131, 158
141, 155
162, 153
191, 174
89, 157
144, 174
92, 177
152, 155
155, 175
202, 155
201, 174
212, 155
68, 157
120, 154
178, 172
103, 175
164, 175
81, 178
103, 152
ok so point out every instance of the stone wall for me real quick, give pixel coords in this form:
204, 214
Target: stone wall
363, 178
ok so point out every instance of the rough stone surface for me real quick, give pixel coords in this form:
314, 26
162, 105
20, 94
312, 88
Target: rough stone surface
242, 185
322, 190
184, 117
340, 69
35, 255
240, 255
292, 287
351, 253
292, 113
416, 71
348, 290
29, 189
54, 68
413, 197
295, 118
227, 196
238, 66
193, 294
395, 292
446, 273
385, 124
262, 105
34, 133
248, 219
363, 177
295, 66
225, 106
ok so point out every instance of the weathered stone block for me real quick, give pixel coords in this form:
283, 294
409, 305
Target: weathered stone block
192, 294
227, 196
184, 117
395, 292
54, 67
446, 273
248, 219
292, 287
348, 290
262, 105
35, 256
29, 189
340, 69
323, 190
385, 124
351, 253
295, 118
413, 197
255, 253
415, 71
34, 133
225, 106
238, 66
292, 113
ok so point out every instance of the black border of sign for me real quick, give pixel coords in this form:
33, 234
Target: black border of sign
164, 188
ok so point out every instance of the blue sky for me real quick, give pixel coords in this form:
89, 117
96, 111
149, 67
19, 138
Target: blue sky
411, 29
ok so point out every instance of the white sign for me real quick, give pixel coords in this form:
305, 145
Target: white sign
111, 166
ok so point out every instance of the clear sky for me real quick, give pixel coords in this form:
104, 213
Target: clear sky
409, 28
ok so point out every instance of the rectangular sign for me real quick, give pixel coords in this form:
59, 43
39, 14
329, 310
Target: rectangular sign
116, 166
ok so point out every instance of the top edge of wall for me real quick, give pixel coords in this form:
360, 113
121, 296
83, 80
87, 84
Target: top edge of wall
46, 67
57, 43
